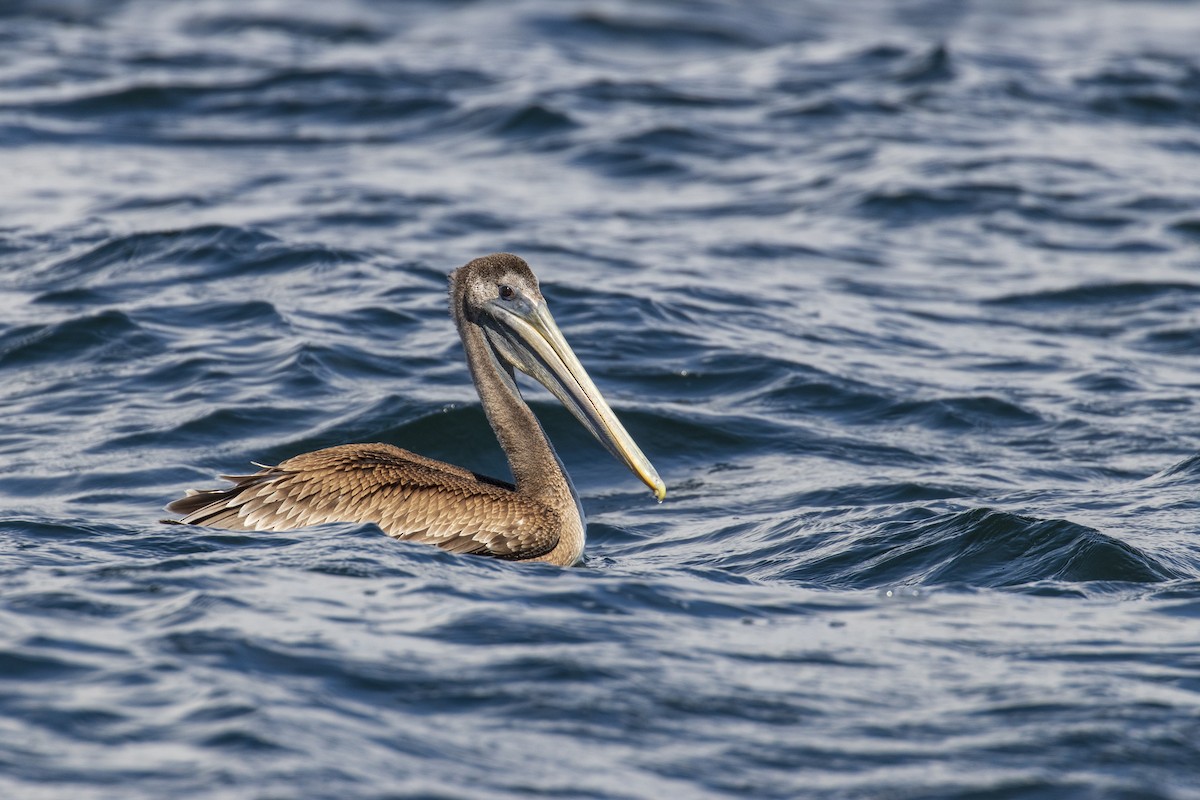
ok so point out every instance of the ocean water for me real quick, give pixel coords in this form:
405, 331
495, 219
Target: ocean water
901, 298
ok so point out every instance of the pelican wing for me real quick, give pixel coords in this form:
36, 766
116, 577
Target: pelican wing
408, 496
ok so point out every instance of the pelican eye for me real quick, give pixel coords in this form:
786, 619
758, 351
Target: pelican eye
506, 292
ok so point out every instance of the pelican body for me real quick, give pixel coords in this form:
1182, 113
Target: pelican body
504, 324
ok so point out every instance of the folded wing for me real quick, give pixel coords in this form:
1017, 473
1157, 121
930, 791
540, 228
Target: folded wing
408, 496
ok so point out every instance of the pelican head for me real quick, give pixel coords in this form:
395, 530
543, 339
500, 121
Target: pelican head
500, 294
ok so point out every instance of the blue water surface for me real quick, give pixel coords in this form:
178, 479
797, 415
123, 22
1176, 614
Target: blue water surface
901, 298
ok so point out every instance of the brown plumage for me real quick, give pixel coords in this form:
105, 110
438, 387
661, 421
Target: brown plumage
503, 321
405, 494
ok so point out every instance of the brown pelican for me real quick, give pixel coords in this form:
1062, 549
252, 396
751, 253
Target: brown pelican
504, 323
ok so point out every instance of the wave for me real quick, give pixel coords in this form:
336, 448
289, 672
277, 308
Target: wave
982, 548
1119, 293
1156, 88
153, 258
109, 337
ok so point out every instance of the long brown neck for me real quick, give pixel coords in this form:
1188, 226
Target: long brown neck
535, 466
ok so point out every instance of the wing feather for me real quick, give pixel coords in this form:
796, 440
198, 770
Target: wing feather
408, 496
